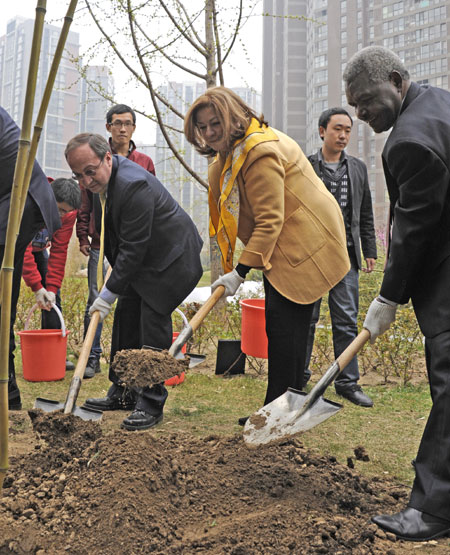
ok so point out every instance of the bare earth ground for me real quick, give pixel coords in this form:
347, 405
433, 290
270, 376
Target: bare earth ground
81, 492
73, 488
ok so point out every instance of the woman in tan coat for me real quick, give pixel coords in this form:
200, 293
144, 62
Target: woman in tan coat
263, 190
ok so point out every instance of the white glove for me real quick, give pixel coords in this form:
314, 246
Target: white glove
230, 281
379, 317
44, 298
102, 306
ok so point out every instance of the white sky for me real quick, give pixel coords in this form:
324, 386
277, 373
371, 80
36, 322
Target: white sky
245, 74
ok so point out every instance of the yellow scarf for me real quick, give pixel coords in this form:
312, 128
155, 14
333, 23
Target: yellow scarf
223, 222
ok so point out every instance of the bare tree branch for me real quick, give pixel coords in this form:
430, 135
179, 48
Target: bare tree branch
235, 34
182, 31
156, 107
217, 42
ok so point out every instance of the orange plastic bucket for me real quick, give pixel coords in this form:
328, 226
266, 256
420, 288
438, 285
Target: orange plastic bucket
253, 328
43, 352
176, 380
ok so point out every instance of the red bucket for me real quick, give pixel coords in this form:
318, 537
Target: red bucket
253, 328
43, 352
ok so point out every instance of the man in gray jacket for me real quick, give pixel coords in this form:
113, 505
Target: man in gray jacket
346, 178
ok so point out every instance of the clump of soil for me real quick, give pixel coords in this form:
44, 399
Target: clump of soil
146, 367
132, 493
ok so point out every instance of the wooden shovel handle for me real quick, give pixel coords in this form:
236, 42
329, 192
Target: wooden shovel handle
206, 307
353, 349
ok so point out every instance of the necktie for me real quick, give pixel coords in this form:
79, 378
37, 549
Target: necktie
102, 245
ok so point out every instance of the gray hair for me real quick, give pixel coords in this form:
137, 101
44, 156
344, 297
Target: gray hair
377, 63
68, 191
98, 144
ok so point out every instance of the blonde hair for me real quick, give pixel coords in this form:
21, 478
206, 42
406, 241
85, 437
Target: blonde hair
232, 112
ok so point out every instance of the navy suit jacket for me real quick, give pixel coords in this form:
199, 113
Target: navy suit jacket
416, 160
40, 190
151, 242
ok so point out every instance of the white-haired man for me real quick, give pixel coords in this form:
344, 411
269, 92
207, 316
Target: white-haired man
415, 161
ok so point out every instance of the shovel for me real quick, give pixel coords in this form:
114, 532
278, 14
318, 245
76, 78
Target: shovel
69, 406
189, 328
296, 411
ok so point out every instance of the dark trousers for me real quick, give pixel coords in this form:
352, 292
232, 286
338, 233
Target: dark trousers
31, 223
287, 328
431, 488
49, 319
137, 324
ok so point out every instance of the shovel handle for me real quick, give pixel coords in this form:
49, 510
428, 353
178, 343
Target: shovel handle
204, 310
353, 349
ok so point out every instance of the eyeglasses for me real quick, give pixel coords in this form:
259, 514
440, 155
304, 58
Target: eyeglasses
88, 173
119, 124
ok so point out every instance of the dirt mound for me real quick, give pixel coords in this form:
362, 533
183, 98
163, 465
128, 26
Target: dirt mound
129, 493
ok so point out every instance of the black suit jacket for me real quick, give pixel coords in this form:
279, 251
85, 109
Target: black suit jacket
416, 161
40, 190
150, 241
361, 225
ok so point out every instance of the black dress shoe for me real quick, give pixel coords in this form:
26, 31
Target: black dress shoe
141, 420
243, 420
413, 525
355, 395
117, 398
92, 368
70, 365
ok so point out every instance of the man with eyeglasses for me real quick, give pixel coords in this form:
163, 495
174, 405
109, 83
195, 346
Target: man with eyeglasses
121, 124
154, 249
40, 211
44, 271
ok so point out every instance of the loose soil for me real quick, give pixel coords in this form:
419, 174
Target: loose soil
80, 491
146, 367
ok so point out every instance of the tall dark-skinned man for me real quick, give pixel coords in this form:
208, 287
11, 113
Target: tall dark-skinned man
416, 167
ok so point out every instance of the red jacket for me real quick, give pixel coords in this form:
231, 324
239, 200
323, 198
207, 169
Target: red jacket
85, 218
56, 261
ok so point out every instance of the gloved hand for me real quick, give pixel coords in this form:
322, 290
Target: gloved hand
230, 281
44, 298
102, 306
379, 317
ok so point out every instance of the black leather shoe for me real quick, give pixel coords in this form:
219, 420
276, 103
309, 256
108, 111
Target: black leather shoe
413, 525
70, 365
355, 395
92, 368
243, 420
117, 398
141, 420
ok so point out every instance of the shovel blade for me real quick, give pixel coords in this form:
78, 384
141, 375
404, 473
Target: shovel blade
194, 358
279, 419
48, 405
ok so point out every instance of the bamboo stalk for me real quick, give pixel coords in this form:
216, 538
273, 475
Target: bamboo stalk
19, 188
48, 93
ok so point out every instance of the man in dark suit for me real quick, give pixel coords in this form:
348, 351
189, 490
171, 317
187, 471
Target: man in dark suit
346, 178
40, 211
416, 165
154, 250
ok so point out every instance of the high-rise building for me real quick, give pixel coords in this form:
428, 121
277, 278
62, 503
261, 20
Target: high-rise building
62, 120
97, 84
332, 32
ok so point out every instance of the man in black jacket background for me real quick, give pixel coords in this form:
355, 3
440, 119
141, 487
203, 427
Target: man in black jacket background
416, 160
346, 178
154, 250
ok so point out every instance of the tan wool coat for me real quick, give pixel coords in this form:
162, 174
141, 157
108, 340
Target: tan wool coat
290, 224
